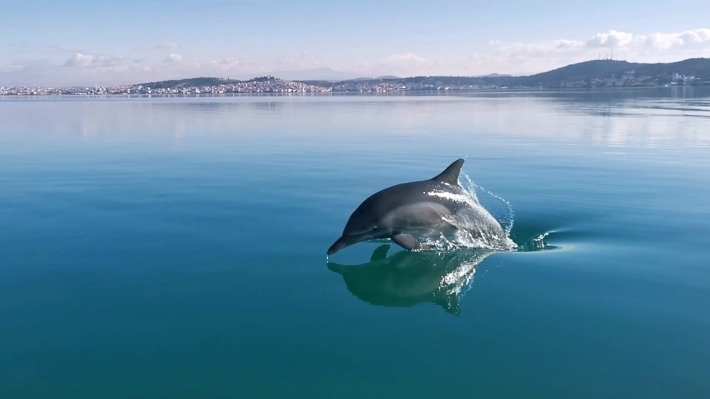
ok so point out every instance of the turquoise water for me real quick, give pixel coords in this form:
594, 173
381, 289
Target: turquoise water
176, 248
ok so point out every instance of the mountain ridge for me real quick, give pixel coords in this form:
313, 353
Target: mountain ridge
586, 73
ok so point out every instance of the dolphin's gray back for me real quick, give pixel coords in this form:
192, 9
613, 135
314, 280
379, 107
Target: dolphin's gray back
414, 192
405, 194
415, 203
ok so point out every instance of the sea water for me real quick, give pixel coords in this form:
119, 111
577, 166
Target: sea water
176, 247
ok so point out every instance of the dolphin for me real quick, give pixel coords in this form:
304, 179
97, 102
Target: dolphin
407, 279
408, 213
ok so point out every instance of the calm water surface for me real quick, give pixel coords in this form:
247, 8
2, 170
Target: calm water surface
175, 248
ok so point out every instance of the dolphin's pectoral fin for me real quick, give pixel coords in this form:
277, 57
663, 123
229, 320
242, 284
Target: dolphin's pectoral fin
380, 253
406, 241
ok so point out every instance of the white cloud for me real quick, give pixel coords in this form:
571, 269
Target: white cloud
540, 56
544, 49
225, 64
91, 61
173, 58
658, 42
228, 62
611, 39
69, 67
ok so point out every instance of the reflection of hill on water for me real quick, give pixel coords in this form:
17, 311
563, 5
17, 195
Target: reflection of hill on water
407, 279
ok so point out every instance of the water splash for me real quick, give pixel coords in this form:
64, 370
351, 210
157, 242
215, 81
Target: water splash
459, 280
475, 229
500, 208
536, 243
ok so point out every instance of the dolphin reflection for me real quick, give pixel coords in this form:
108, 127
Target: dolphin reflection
411, 278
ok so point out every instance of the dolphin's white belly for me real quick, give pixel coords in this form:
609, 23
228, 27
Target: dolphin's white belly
431, 220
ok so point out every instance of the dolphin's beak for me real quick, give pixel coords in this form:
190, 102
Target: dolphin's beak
334, 267
339, 244
345, 241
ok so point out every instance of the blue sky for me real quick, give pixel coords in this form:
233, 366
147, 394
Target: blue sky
114, 42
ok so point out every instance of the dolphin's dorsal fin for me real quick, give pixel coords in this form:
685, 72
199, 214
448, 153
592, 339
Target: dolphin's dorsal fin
450, 175
380, 253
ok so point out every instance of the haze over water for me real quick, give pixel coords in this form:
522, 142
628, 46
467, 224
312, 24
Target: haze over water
176, 247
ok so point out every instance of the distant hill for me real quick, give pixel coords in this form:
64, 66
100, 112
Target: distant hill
584, 74
174, 84
330, 83
495, 75
199, 82
606, 69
